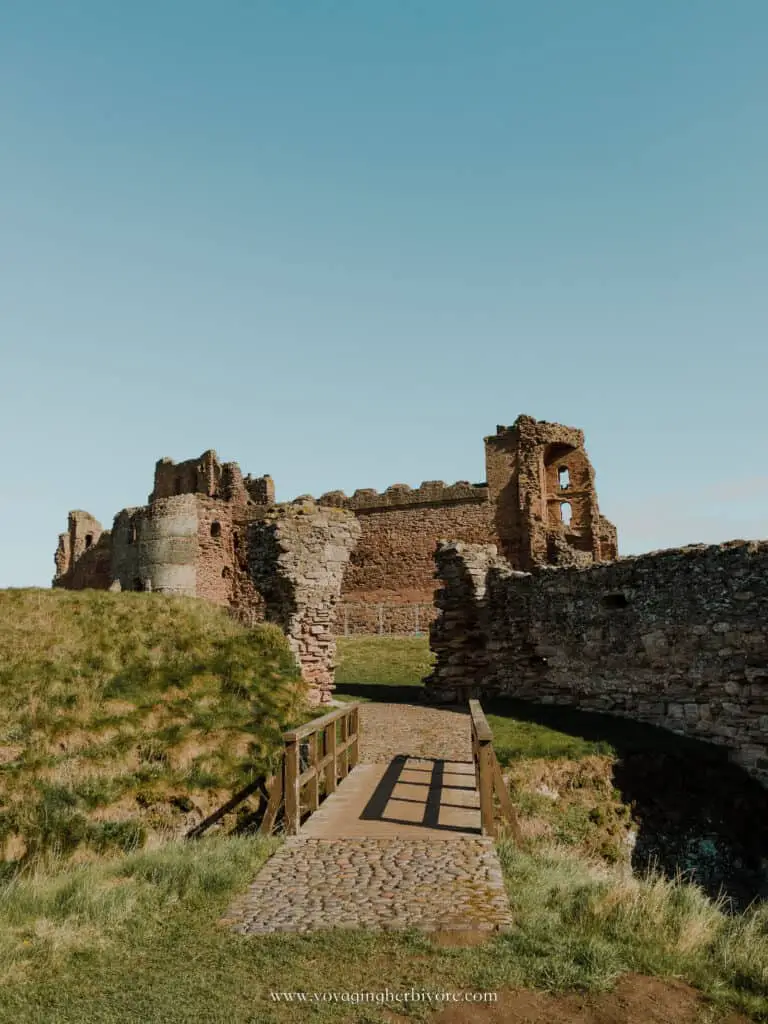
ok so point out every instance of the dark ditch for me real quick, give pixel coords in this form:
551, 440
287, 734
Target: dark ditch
694, 812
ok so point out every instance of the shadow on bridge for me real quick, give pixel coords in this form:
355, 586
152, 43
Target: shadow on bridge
427, 793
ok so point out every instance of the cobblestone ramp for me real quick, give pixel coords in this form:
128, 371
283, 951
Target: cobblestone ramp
380, 884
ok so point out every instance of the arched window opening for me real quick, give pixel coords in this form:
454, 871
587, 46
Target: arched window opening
566, 512
88, 540
226, 573
132, 534
236, 541
216, 529
563, 478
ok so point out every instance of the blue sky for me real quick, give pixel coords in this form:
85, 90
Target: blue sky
340, 242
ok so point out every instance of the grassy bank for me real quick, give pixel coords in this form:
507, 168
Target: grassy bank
388, 668
126, 718
138, 940
101, 933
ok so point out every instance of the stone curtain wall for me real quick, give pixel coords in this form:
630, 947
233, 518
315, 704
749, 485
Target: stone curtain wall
297, 558
395, 554
675, 638
393, 560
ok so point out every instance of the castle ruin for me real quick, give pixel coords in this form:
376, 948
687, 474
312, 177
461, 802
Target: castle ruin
538, 505
202, 532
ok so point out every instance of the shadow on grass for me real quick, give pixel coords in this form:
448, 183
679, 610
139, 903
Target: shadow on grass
385, 693
695, 812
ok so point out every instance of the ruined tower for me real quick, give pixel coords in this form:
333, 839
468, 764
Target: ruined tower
542, 486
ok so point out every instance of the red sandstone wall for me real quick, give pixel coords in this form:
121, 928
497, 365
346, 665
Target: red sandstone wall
83, 554
394, 558
222, 567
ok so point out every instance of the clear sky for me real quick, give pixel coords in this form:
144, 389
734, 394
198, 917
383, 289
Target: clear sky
339, 242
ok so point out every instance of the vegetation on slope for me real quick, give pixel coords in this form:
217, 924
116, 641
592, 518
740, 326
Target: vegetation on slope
126, 718
138, 939
115, 939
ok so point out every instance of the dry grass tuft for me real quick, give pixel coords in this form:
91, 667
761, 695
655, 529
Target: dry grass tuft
124, 717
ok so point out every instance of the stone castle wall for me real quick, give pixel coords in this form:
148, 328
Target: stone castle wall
675, 638
193, 537
297, 557
84, 554
393, 559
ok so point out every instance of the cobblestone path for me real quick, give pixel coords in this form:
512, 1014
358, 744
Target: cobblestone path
391, 729
380, 884
398, 844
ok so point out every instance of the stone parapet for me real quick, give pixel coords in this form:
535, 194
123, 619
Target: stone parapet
431, 492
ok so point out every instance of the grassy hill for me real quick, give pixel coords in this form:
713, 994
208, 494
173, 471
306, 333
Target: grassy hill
126, 718
117, 712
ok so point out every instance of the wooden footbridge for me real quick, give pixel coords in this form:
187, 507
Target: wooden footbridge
398, 842
323, 789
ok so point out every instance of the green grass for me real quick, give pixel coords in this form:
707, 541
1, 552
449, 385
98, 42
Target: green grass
120, 711
137, 939
383, 668
133, 936
518, 738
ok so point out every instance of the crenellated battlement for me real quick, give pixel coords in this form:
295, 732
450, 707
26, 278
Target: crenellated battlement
429, 492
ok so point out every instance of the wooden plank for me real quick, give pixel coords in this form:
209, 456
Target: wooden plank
480, 722
292, 789
230, 805
275, 789
317, 724
330, 758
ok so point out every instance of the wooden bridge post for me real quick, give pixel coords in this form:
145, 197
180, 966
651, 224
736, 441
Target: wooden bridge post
344, 756
292, 788
329, 751
314, 783
354, 750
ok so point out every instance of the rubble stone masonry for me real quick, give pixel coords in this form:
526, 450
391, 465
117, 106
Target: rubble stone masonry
675, 638
297, 557
193, 536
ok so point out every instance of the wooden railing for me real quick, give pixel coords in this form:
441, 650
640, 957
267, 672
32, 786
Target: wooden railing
488, 776
316, 756
324, 750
